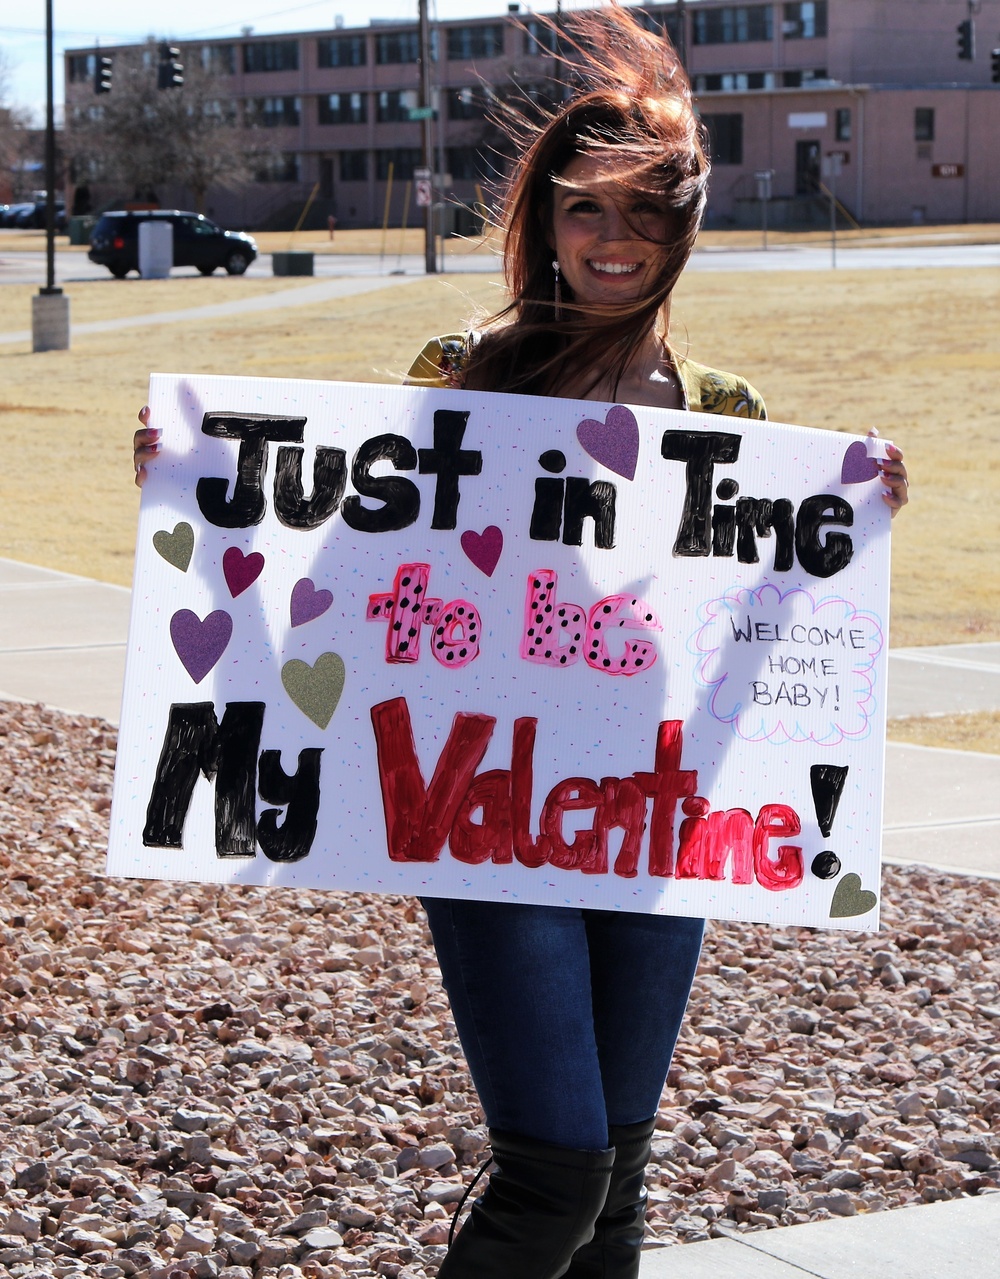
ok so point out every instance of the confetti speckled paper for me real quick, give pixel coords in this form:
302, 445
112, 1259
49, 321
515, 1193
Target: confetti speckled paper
458, 644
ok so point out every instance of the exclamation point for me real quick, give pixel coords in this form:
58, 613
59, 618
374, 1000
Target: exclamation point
827, 783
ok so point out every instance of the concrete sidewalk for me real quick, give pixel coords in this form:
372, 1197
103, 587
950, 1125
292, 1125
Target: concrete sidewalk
307, 295
62, 642
959, 1238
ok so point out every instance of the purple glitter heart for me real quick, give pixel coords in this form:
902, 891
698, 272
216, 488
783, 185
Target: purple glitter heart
241, 570
614, 442
857, 466
483, 549
307, 602
200, 644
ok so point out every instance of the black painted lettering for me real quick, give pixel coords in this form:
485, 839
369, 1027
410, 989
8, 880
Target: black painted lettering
723, 530
291, 505
701, 450
546, 514
299, 794
195, 742
401, 497
586, 499
823, 559
247, 505
448, 461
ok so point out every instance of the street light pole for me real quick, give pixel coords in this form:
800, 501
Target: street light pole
50, 308
426, 124
50, 160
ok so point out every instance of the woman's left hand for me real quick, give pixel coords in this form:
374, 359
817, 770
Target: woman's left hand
892, 473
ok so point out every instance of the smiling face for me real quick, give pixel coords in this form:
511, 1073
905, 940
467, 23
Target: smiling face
609, 243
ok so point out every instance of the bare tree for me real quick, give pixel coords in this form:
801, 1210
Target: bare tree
18, 139
141, 138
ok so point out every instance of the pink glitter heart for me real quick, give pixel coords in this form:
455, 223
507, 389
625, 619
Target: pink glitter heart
307, 602
614, 442
857, 466
483, 549
241, 570
199, 644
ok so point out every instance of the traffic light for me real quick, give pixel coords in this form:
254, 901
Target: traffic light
966, 40
102, 78
995, 66
170, 73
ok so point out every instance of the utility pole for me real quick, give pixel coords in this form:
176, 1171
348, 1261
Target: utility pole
50, 306
681, 45
426, 123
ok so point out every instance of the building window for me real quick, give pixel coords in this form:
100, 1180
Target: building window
82, 67
397, 46
796, 79
466, 104
278, 168
738, 24
224, 111
403, 160
275, 113
271, 55
668, 24
354, 166
393, 106
475, 42
842, 125
469, 164
218, 59
923, 124
540, 37
725, 135
805, 21
342, 108
734, 82
342, 51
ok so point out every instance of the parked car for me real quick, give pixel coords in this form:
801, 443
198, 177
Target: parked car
33, 216
198, 242
14, 211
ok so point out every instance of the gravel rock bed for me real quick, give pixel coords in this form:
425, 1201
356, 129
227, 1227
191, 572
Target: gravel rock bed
234, 1083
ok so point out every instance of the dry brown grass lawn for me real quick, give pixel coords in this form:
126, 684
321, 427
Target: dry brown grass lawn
976, 732
411, 240
92, 300
916, 353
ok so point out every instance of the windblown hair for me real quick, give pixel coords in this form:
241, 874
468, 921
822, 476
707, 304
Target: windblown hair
631, 109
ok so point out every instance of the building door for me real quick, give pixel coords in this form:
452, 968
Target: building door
326, 176
807, 168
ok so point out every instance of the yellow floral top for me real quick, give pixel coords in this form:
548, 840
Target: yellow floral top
442, 364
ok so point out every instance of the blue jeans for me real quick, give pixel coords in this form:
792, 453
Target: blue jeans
567, 1017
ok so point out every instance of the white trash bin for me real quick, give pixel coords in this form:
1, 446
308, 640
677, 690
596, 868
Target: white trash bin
156, 248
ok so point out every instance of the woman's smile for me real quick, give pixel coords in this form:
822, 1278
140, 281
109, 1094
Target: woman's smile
609, 243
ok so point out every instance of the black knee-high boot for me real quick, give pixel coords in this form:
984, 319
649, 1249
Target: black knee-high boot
539, 1208
614, 1251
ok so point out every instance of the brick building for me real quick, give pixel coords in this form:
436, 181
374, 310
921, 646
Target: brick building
872, 88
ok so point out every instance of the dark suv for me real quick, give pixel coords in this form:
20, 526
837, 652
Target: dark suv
197, 242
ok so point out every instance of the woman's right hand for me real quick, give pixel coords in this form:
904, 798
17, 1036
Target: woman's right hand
145, 446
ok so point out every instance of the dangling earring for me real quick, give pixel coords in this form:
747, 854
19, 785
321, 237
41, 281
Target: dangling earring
558, 292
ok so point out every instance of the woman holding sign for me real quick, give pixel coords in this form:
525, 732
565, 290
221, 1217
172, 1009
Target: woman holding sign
568, 1017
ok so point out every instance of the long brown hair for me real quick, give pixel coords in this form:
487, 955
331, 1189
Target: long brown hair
631, 108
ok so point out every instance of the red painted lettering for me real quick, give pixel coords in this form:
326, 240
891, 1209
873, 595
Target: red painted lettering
775, 821
665, 786
418, 817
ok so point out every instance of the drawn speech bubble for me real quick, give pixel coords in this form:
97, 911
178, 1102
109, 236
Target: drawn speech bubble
784, 666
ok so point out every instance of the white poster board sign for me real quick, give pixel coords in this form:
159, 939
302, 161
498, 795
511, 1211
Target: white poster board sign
459, 644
